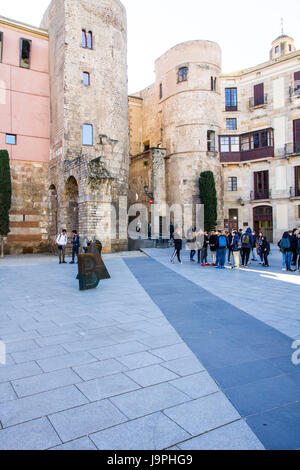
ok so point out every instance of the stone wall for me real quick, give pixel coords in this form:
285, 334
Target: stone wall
29, 215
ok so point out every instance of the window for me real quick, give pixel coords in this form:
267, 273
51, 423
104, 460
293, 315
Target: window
182, 74
10, 139
235, 144
87, 134
224, 144
255, 140
290, 48
86, 79
229, 144
297, 180
213, 83
1, 45
245, 144
276, 49
297, 82
211, 141
84, 39
90, 40
160, 91
259, 97
231, 124
231, 99
232, 183
296, 135
25, 47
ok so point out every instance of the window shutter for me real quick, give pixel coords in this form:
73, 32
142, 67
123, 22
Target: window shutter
297, 135
258, 94
297, 81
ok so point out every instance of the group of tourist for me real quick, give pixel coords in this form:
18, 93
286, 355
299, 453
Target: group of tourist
61, 243
237, 247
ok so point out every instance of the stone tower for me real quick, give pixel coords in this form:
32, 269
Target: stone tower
89, 157
190, 114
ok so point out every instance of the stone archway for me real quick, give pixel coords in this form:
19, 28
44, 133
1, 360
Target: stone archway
53, 212
72, 208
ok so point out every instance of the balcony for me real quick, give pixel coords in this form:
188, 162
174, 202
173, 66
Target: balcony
258, 102
258, 195
246, 147
294, 192
294, 92
292, 148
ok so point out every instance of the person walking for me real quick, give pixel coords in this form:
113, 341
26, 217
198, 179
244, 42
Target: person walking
236, 249
265, 251
204, 250
75, 246
61, 243
177, 247
191, 242
253, 247
213, 240
287, 249
258, 247
298, 252
221, 250
294, 246
229, 238
246, 246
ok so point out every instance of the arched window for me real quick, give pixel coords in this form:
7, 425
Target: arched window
87, 134
90, 40
84, 39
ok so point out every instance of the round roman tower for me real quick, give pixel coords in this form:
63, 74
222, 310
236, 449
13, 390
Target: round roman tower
190, 109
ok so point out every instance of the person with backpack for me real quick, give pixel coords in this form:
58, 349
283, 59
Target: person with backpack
221, 250
286, 247
265, 247
177, 247
75, 246
246, 246
61, 243
283, 265
236, 249
213, 240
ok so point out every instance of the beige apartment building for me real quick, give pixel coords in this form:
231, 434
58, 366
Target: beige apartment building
243, 126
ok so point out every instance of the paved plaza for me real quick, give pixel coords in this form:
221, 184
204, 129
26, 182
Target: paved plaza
160, 356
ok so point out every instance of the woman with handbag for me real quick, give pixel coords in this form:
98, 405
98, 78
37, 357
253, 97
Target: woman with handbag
61, 243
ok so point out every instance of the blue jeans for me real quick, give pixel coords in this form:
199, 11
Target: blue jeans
283, 260
288, 259
221, 257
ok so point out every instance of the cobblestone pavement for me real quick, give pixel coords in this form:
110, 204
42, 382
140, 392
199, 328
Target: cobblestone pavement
158, 357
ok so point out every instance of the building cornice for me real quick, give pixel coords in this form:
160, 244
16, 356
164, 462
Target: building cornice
264, 65
18, 25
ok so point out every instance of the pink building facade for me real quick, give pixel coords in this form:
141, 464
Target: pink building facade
25, 131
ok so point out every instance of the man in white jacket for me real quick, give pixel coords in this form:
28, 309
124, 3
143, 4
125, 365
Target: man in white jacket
61, 243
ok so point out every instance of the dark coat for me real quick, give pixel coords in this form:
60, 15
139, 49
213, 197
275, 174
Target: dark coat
213, 241
235, 243
178, 243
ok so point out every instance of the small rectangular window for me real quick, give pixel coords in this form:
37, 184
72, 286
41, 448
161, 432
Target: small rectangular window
10, 139
90, 40
86, 79
213, 83
182, 74
231, 124
234, 144
245, 144
83, 39
211, 141
276, 49
160, 91
231, 99
1, 45
87, 134
232, 183
25, 48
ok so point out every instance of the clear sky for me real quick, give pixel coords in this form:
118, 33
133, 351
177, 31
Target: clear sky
243, 29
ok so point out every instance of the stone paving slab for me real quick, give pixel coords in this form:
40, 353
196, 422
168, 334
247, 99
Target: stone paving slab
152, 432
34, 435
107, 387
87, 419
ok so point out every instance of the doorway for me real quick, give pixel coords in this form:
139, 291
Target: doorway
263, 221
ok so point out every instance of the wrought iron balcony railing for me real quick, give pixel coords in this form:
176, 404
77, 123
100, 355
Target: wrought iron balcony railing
292, 148
255, 102
257, 195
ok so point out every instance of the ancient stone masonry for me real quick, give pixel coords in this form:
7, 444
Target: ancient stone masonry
99, 169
